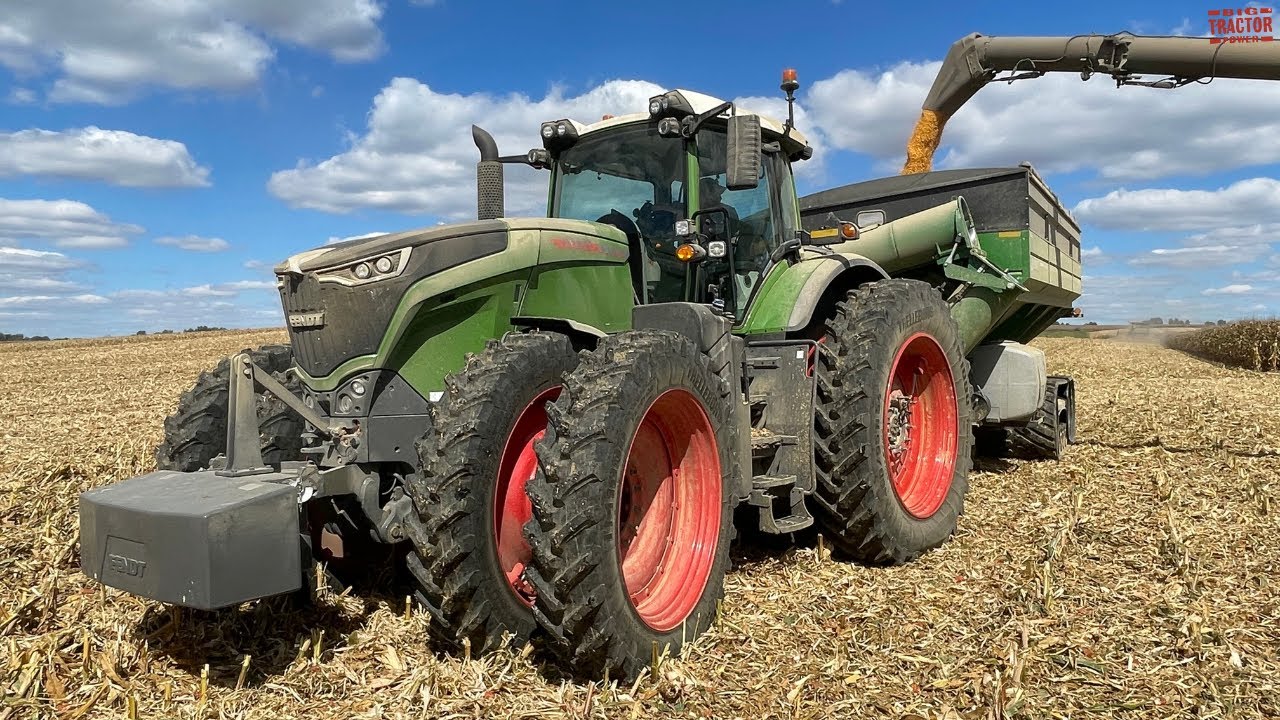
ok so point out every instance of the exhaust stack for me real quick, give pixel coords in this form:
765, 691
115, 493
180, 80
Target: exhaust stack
490, 190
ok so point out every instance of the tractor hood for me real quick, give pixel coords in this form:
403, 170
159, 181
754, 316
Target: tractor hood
339, 299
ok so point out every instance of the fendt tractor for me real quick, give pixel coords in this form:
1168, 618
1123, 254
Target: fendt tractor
561, 420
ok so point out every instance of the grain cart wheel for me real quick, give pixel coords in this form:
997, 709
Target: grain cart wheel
1050, 431
197, 431
893, 427
632, 507
470, 553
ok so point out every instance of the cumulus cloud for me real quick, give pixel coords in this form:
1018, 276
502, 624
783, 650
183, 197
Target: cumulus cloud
66, 223
1058, 123
195, 243
416, 155
1245, 205
106, 51
111, 156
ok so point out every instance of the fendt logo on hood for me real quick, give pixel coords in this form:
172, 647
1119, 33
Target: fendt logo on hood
1241, 25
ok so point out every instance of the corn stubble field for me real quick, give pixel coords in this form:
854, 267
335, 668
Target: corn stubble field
1137, 578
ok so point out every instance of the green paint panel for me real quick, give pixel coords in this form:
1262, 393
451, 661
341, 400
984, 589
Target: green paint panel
770, 311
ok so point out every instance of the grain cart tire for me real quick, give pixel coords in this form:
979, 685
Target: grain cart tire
469, 549
197, 431
893, 427
632, 506
1044, 436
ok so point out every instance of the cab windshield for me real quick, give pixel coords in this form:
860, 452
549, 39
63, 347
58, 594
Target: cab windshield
633, 179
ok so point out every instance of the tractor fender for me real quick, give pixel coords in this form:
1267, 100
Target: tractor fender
792, 293
581, 334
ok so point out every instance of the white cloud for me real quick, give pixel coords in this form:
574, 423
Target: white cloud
417, 156
66, 223
1058, 123
106, 51
1229, 290
22, 96
83, 299
334, 240
228, 289
1242, 204
111, 156
1200, 256
194, 243
16, 259
1093, 252
21, 283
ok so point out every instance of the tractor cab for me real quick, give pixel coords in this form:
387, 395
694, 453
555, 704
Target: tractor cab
702, 190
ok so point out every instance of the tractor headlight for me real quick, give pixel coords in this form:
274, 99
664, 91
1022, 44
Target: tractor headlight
367, 270
558, 135
717, 249
671, 104
669, 127
345, 404
357, 388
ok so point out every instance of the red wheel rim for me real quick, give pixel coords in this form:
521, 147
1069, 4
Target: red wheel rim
669, 510
511, 508
920, 427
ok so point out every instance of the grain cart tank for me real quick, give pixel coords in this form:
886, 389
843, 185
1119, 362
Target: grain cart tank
1022, 230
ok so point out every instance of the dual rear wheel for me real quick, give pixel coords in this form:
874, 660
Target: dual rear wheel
624, 544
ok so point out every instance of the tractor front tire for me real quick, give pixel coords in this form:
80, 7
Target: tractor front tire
197, 431
632, 506
469, 548
893, 427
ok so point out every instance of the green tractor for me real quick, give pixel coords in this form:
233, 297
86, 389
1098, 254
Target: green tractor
563, 419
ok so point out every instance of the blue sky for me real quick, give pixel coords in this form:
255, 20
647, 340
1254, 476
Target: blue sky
157, 158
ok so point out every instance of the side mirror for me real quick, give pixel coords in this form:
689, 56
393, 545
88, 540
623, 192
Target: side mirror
742, 164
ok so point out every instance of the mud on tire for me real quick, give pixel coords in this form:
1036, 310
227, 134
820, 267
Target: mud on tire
604, 595
197, 431
460, 564
856, 502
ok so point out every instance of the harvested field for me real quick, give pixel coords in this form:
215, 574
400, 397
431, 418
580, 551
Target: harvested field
1135, 579
1252, 344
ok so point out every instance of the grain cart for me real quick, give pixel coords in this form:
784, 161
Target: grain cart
562, 416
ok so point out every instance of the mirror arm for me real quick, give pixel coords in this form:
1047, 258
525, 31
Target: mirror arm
694, 124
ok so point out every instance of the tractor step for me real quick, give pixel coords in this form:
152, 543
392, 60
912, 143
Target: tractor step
765, 443
780, 503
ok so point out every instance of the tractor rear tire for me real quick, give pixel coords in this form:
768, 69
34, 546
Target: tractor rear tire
890, 483
197, 431
633, 504
469, 548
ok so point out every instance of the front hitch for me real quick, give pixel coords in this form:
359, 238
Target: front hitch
244, 451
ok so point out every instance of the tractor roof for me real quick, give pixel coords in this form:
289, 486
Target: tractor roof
771, 128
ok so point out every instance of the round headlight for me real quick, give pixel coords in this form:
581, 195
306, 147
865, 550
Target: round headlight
345, 403
383, 265
362, 271
309, 400
548, 130
655, 106
562, 128
357, 387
